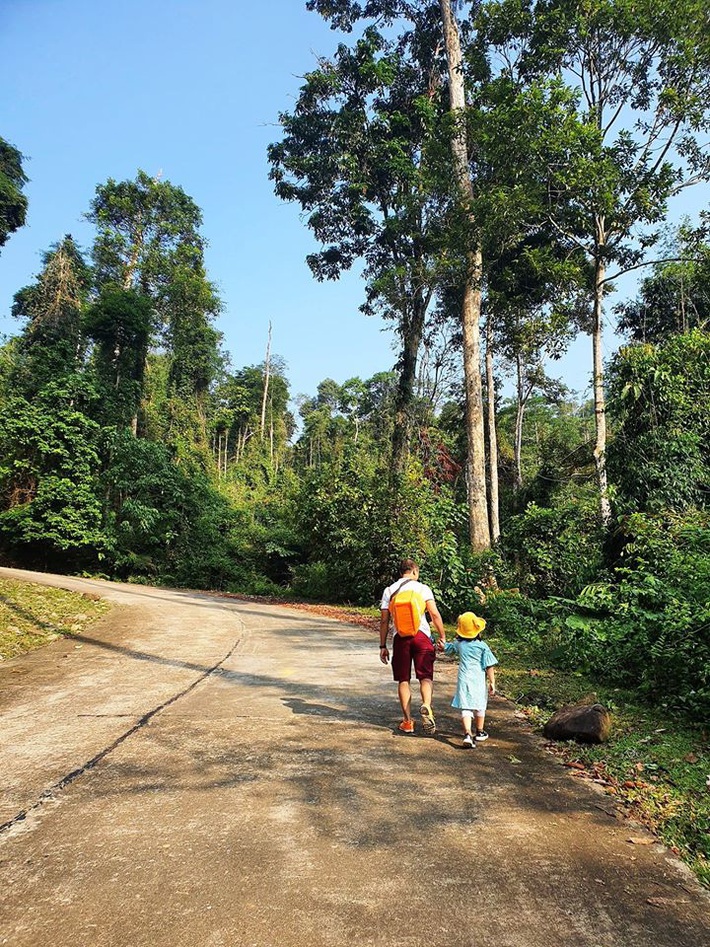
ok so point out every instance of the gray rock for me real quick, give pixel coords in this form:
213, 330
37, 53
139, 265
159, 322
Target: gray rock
585, 723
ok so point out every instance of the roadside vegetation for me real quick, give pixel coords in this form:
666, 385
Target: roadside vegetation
33, 615
656, 764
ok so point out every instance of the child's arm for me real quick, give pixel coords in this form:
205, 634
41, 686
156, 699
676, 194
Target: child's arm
491, 678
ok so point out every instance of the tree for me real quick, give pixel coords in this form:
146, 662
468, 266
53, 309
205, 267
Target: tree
355, 156
660, 398
472, 288
237, 419
627, 139
120, 323
148, 245
52, 345
50, 509
675, 297
146, 228
536, 293
13, 203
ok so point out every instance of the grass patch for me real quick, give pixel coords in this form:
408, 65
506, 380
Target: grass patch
32, 615
655, 764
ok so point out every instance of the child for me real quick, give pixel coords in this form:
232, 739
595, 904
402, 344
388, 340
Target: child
476, 669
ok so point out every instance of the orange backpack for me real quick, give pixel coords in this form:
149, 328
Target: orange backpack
407, 608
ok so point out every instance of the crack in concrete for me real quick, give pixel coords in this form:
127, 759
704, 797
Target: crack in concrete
49, 795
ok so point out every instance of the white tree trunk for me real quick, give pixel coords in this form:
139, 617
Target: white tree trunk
471, 308
599, 398
493, 500
519, 415
267, 372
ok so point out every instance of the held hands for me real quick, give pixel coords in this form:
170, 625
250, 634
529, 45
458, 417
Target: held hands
441, 644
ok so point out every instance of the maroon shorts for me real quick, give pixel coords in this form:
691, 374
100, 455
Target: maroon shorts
416, 649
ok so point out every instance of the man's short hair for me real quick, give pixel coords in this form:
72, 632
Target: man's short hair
407, 565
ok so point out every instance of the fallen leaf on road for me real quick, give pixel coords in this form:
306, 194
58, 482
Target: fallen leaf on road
641, 841
660, 902
573, 765
514, 759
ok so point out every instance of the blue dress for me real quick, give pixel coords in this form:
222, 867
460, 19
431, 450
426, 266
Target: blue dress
474, 657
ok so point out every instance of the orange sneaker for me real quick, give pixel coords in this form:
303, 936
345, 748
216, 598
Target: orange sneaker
406, 726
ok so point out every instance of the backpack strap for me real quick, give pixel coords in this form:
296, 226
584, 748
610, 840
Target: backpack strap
399, 588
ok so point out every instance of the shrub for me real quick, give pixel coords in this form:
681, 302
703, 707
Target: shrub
554, 552
649, 628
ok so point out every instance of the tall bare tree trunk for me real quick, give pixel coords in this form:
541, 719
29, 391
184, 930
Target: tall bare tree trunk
267, 372
271, 430
521, 400
599, 398
493, 501
471, 308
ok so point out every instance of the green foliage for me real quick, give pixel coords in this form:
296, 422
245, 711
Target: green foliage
520, 618
660, 400
554, 551
356, 529
146, 229
359, 154
675, 297
51, 346
163, 523
648, 628
51, 511
119, 323
556, 452
13, 203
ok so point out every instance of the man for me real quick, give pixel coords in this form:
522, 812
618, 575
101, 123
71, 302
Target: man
417, 649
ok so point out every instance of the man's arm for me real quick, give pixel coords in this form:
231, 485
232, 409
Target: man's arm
384, 629
436, 620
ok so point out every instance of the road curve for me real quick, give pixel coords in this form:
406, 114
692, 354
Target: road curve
201, 771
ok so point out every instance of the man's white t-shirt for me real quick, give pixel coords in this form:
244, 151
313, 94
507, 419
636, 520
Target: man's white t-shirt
415, 586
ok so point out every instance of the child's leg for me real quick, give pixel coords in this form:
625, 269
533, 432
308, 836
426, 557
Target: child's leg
480, 719
466, 720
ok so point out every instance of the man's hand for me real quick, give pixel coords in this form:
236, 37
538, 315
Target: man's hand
384, 654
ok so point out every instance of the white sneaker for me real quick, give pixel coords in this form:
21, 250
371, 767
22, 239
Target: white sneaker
468, 742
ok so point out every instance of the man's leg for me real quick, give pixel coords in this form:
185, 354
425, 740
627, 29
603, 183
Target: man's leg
404, 692
424, 654
401, 671
427, 689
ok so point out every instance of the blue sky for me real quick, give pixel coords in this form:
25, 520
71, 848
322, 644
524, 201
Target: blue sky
191, 89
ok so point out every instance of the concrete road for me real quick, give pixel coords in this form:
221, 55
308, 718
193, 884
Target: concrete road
201, 771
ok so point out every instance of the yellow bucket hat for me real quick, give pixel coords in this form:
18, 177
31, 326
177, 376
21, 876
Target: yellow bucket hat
470, 625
